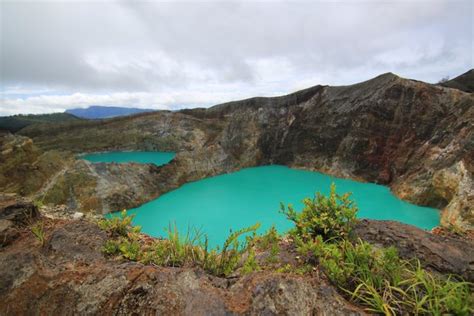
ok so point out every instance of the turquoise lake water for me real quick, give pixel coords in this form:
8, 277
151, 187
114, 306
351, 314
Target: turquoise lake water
157, 158
233, 201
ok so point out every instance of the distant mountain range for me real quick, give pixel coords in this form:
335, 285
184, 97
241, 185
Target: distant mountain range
101, 112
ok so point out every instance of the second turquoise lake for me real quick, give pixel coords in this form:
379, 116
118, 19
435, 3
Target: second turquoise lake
157, 158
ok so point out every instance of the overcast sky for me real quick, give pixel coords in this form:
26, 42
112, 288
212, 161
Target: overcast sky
57, 55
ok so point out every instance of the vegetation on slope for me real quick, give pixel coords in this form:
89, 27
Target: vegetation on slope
374, 277
15, 123
330, 217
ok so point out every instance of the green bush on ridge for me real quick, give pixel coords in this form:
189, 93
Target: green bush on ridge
119, 225
331, 217
269, 242
374, 277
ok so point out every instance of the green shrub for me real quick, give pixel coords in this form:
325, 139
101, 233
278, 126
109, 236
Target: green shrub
379, 279
269, 239
430, 294
119, 225
232, 251
130, 249
38, 203
273, 255
303, 269
374, 277
250, 265
347, 262
287, 268
176, 250
269, 242
299, 269
331, 217
193, 249
111, 247
38, 231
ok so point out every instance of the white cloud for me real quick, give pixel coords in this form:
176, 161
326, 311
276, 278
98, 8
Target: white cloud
171, 100
62, 54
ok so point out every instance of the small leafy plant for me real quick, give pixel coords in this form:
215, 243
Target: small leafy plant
269, 239
119, 225
38, 203
330, 217
250, 265
176, 250
232, 251
269, 242
38, 231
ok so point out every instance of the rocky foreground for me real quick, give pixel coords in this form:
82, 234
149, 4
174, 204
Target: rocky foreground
415, 137
66, 273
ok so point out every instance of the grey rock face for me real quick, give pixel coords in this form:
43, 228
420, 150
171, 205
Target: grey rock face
14, 214
407, 134
444, 254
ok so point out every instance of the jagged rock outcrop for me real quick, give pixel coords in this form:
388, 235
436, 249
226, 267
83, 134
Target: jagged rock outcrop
413, 136
24, 168
15, 214
443, 254
108, 187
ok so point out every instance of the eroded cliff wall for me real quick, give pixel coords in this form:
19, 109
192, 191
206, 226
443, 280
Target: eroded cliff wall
415, 137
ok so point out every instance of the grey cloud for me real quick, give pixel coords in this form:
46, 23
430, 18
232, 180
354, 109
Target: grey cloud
170, 47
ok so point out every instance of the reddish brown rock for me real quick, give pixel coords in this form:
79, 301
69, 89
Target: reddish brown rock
70, 276
15, 213
444, 254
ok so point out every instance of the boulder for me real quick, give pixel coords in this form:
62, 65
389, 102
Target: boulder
444, 254
15, 213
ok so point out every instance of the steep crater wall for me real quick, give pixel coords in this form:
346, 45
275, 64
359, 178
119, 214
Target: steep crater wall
415, 137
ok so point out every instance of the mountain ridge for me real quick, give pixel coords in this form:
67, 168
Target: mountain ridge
464, 82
